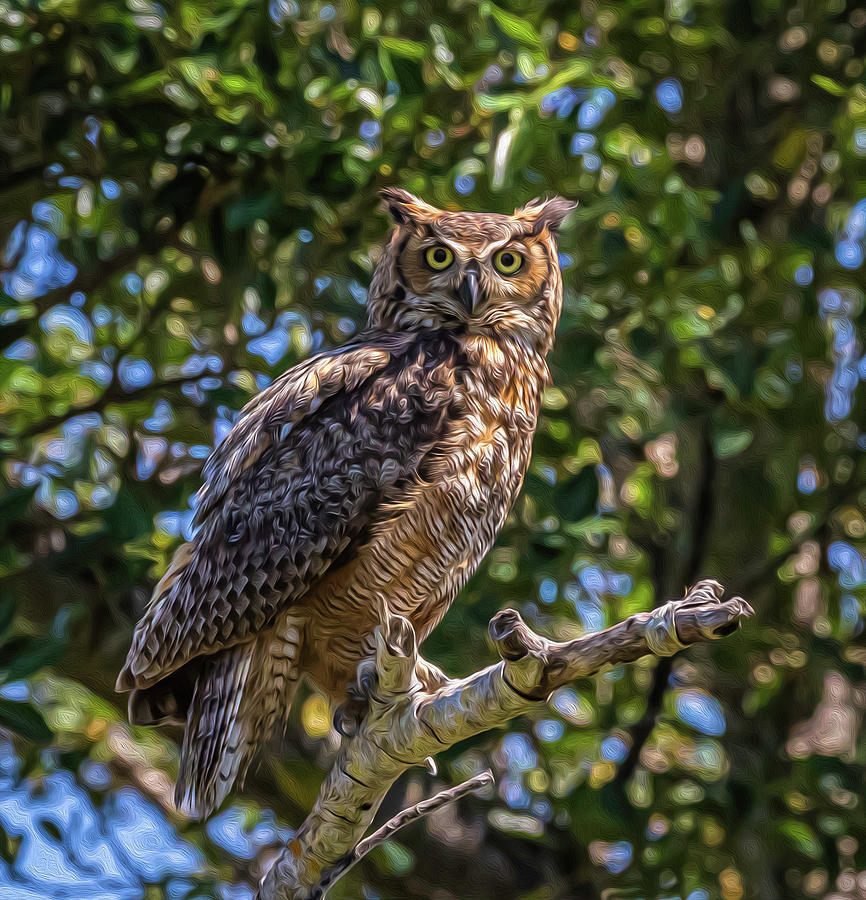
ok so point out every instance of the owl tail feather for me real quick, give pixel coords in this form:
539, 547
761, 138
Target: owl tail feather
240, 696
217, 742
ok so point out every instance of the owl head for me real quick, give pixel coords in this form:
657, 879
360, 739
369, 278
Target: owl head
482, 273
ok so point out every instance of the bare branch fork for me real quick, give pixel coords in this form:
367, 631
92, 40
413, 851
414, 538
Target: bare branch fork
406, 726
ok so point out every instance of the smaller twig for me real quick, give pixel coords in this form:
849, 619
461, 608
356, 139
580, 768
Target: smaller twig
421, 809
402, 819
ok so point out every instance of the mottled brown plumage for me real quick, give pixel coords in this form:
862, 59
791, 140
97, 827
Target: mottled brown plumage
367, 481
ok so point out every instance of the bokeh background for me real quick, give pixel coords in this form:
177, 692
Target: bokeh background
188, 206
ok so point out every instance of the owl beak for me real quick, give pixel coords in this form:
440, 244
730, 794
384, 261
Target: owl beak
469, 292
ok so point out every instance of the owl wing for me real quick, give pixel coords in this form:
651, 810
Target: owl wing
292, 485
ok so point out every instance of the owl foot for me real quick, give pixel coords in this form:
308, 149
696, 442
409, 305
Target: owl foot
350, 714
348, 717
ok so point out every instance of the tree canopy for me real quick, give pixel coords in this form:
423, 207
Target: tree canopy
189, 206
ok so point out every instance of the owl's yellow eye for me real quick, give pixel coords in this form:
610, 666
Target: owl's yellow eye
439, 257
507, 262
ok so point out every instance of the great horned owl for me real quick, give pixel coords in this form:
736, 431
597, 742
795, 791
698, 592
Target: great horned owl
366, 481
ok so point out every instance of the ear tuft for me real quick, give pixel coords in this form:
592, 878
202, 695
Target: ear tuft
405, 208
548, 214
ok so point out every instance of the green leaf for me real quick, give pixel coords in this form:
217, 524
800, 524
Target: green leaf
499, 102
731, 442
24, 719
516, 27
828, 85
802, 836
402, 47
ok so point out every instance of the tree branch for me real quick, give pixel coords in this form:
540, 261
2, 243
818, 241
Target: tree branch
112, 394
405, 725
401, 820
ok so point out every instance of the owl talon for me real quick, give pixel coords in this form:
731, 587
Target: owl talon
349, 716
366, 681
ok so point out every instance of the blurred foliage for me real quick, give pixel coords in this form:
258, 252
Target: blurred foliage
188, 206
